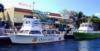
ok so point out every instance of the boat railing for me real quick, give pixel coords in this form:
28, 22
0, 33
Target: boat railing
88, 31
9, 31
53, 31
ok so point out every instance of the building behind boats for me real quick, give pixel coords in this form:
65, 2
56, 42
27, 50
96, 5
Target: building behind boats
17, 14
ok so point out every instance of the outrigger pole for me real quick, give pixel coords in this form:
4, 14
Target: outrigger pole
11, 23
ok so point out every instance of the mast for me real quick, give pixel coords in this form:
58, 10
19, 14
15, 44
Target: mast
3, 16
33, 5
33, 8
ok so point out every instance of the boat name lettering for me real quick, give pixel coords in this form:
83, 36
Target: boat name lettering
44, 39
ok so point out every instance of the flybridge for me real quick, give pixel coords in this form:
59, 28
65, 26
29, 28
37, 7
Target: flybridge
29, 19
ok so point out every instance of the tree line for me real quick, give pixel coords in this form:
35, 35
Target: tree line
80, 17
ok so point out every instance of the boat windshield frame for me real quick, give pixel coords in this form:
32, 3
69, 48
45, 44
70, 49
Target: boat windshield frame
34, 32
24, 31
50, 32
86, 25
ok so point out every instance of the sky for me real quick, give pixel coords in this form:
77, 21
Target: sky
88, 7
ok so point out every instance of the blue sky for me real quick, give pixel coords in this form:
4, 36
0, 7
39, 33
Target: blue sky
89, 7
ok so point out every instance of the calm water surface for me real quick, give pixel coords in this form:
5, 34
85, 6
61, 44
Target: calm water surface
67, 45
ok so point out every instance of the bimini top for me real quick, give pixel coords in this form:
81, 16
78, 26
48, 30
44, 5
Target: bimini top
86, 27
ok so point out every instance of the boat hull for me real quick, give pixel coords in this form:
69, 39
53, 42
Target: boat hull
21, 39
86, 35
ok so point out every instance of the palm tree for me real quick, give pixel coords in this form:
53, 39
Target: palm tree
40, 15
80, 17
1, 8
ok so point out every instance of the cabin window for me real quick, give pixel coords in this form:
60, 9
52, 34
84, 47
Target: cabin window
44, 32
50, 31
27, 22
24, 31
57, 32
90, 26
84, 25
21, 31
34, 32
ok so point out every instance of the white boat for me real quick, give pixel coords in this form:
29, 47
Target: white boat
32, 32
86, 27
4, 33
86, 31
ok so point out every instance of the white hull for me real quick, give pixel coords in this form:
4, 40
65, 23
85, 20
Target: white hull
27, 39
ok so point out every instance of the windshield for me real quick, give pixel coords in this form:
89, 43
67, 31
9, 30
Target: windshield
24, 31
34, 32
86, 25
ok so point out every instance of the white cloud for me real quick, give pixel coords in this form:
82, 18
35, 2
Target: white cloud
17, 3
97, 14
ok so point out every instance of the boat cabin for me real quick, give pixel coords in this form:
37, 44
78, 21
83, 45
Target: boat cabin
33, 26
85, 27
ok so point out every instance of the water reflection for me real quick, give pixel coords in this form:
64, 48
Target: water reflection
89, 45
83, 46
67, 45
94, 45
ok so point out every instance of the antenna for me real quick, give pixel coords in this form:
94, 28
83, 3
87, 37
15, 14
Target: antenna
33, 8
33, 5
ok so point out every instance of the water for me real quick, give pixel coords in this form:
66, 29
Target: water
67, 45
